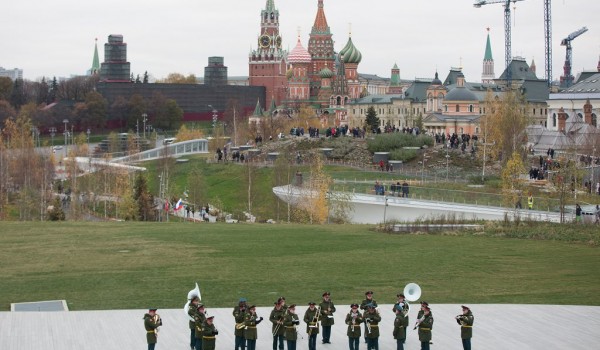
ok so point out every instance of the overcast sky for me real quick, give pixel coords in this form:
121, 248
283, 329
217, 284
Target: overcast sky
56, 38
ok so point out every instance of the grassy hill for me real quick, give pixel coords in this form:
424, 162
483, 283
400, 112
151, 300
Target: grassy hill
122, 265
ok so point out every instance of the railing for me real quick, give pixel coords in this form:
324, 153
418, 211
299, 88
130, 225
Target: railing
172, 150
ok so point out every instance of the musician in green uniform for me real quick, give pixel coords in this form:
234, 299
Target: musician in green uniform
290, 322
425, 324
311, 318
372, 319
199, 321
151, 322
251, 320
239, 312
278, 330
353, 320
363, 306
327, 320
400, 324
209, 333
405, 309
466, 326
192, 312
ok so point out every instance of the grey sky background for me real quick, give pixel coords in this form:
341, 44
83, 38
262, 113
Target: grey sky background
56, 38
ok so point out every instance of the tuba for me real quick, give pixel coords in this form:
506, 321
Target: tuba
191, 294
412, 292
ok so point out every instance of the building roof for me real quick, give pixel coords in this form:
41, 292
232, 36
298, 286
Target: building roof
377, 99
589, 84
460, 93
519, 70
320, 26
299, 54
350, 53
488, 49
440, 117
436, 80
418, 90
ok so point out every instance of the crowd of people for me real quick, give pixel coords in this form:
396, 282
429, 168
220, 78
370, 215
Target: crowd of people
362, 321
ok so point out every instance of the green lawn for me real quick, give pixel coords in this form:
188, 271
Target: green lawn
136, 265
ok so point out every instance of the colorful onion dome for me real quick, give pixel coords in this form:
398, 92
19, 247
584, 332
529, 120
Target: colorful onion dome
299, 54
350, 53
326, 73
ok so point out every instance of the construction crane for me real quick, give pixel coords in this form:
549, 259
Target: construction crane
548, 43
567, 78
507, 36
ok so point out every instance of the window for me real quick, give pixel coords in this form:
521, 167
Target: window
554, 119
470, 108
457, 108
594, 120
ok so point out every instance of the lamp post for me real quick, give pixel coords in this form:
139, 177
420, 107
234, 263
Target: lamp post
447, 158
385, 205
144, 119
66, 132
88, 132
52, 133
214, 117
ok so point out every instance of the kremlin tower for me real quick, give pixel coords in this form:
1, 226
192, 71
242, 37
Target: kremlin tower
488, 76
267, 63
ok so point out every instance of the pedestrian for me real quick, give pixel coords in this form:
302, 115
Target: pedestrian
400, 323
193, 314
327, 310
425, 324
578, 213
353, 320
277, 317
239, 313
530, 201
311, 318
597, 214
465, 320
372, 319
151, 322
251, 320
290, 323
209, 333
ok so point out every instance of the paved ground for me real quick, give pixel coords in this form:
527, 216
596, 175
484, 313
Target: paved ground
497, 327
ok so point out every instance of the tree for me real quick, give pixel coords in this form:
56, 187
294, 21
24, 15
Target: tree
314, 206
118, 110
56, 213
173, 115
6, 111
6, 87
136, 107
144, 199
185, 134
146, 77
512, 181
52, 93
372, 121
178, 78
17, 97
506, 123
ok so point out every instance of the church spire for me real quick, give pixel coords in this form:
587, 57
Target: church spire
95, 61
320, 25
488, 76
488, 48
270, 5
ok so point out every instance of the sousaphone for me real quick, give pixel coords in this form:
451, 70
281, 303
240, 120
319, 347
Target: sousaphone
412, 292
191, 294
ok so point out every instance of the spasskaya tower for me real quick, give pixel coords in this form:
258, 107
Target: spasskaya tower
267, 63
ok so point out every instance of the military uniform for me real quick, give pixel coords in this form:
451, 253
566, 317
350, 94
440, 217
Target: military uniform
327, 320
209, 333
250, 333
466, 321
372, 319
151, 323
353, 320
278, 330
311, 317
290, 321
400, 324
405, 308
199, 321
363, 306
192, 313
425, 327
239, 312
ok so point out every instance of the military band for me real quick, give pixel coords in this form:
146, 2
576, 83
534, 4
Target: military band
192, 313
277, 317
353, 320
151, 322
363, 306
372, 318
251, 320
425, 325
291, 322
327, 310
402, 304
199, 320
239, 313
311, 318
209, 333
465, 320
400, 324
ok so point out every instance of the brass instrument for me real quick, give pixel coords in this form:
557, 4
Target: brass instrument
240, 325
157, 321
280, 322
368, 324
315, 321
461, 320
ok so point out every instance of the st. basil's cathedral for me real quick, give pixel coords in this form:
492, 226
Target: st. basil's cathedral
317, 76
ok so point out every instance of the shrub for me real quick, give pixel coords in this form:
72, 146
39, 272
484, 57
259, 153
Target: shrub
404, 155
391, 141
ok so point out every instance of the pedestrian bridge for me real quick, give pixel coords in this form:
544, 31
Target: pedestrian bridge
177, 149
374, 209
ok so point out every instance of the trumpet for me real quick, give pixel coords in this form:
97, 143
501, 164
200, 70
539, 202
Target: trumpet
461, 319
240, 325
368, 324
354, 315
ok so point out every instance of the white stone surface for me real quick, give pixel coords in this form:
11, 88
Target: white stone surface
497, 327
